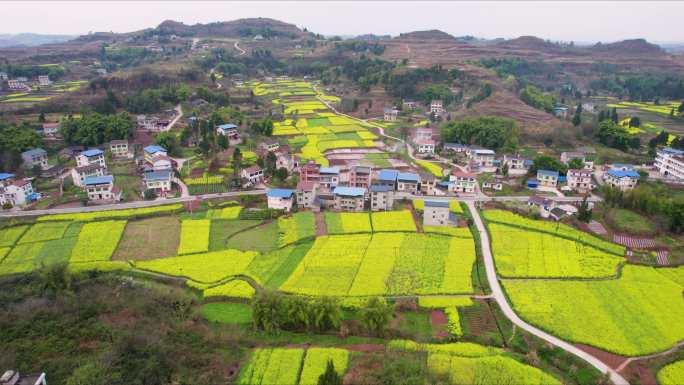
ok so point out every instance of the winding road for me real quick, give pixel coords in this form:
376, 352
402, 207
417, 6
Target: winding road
237, 47
501, 299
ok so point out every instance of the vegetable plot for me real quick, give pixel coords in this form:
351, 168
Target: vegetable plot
97, 241
194, 236
204, 268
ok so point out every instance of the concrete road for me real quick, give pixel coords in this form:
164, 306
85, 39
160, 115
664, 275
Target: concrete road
501, 299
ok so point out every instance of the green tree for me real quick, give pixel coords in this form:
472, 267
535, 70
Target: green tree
93, 373
577, 118
330, 376
584, 213
487, 131
376, 315
575, 164
545, 162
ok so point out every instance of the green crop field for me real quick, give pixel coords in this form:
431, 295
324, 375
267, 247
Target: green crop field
342, 223
672, 374
296, 227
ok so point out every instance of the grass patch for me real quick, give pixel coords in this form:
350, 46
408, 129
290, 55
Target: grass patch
149, 239
229, 313
263, 238
629, 222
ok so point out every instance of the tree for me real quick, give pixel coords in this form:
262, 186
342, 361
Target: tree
376, 315
237, 162
41, 117
487, 131
576, 164
584, 212
330, 376
149, 195
55, 279
545, 162
577, 118
222, 142
634, 121
169, 141
614, 115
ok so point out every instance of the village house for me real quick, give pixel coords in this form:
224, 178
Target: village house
624, 180
3, 76
408, 182
153, 150
119, 149
88, 157
309, 172
286, 160
162, 162
306, 194
425, 146
349, 198
158, 181
80, 173
455, 147
436, 213
496, 186
428, 184
381, 197
13, 377
51, 129
280, 199
579, 180
44, 80
544, 205
547, 178
270, 145
436, 107
101, 189
360, 176
463, 182
387, 177
16, 192
390, 114
149, 123
409, 104
560, 111
35, 157
231, 132
253, 174
670, 163
482, 158
15, 84
329, 177
516, 164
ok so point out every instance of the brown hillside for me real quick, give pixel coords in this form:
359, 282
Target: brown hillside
432, 34
529, 43
235, 28
635, 47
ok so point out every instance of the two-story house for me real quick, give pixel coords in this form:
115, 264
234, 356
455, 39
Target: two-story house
35, 157
381, 197
547, 178
579, 179
349, 198
624, 180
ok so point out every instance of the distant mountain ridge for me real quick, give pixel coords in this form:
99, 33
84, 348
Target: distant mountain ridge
431, 34
236, 28
31, 39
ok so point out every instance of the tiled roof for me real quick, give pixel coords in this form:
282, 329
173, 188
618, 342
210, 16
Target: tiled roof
548, 173
153, 149
34, 151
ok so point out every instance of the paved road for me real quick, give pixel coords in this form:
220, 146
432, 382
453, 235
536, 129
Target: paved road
501, 299
237, 47
179, 115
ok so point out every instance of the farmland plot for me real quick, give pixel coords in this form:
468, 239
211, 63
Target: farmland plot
97, 241
393, 221
296, 227
194, 236
342, 223
203, 268
672, 374
10, 235
45, 231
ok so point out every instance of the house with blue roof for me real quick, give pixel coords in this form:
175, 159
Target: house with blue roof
16, 192
230, 131
349, 198
158, 181
622, 179
101, 189
381, 197
91, 157
280, 198
387, 177
547, 178
35, 157
329, 177
153, 150
408, 182
6, 178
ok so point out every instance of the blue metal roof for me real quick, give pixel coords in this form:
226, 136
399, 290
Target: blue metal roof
157, 175
623, 165
350, 191
227, 126
35, 151
380, 188
33, 196
329, 170
280, 193
388, 175
103, 179
408, 177
5, 175
444, 184
153, 149
434, 203
623, 174
547, 173
528, 162
93, 152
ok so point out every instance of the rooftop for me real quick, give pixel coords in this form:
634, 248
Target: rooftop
484, 151
5, 175
434, 203
547, 173
153, 149
623, 174
305, 186
388, 175
94, 180
93, 152
157, 175
408, 177
227, 126
350, 191
329, 170
380, 188
35, 151
280, 193
121, 141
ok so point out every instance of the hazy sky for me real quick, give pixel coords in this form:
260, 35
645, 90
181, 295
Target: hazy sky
570, 20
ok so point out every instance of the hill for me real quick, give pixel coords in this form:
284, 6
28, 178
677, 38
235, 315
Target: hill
634, 47
529, 43
266, 27
432, 34
31, 39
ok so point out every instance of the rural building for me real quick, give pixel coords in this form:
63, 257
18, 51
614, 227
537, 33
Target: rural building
88, 157
13, 377
253, 174
624, 180
35, 157
425, 146
428, 182
349, 198
158, 181
547, 178
436, 107
329, 177
360, 176
306, 194
388, 177
492, 186
15, 84
153, 150
455, 147
44, 80
230, 131
310, 172
390, 114
51, 129
80, 173
409, 104
101, 188
119, 149
482, 157
579, 180
436, 213
408, 182
16, 192
544, 205
162, 162
463, 182
516, 164
381, 197
149, 123
269, 145
670, 163
280, 199
560, 111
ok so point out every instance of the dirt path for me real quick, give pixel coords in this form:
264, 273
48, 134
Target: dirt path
321, 226
237, 47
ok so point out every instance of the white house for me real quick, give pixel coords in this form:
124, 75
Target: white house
270, 145
624, 180
306, 194
381, 197
670, 163
51, 129
436, 107
80, 173
516, 164
101, 188
579, 180
158, 181
88, 157
482, 158
349, 198
390, 114
16, 192
408, 182
409, 104
120, 149
153, 150
229, 130
436, 213
253, 174
329, 177
35, 157
463, 182
547, 178
455, 147
15, 84
280, 199
44, 80
425, 146
149, 123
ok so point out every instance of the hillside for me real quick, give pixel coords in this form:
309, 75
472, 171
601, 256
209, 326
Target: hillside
634, 47
432, 34
236, 28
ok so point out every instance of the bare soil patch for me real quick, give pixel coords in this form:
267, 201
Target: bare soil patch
149, 239
439, 322
610, 359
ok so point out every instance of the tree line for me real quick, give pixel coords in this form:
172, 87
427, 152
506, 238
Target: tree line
488, 131
649, 200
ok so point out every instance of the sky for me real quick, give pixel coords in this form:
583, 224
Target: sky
579, 21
